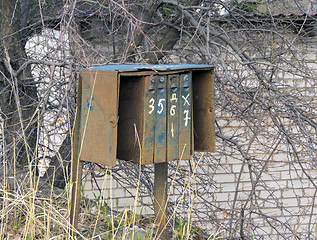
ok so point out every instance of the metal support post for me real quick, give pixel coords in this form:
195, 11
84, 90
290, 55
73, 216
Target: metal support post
75, 182
160, 199
76, 174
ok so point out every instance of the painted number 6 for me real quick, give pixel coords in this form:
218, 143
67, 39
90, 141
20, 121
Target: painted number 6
173, 110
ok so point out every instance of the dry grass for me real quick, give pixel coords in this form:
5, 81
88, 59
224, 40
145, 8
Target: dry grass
32, 212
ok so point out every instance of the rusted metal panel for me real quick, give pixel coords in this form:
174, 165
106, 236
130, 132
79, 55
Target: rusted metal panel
203, 111
160, 120
99, 114
185, 125
173, 117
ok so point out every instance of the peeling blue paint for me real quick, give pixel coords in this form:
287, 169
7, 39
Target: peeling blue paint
89, 104
160, 140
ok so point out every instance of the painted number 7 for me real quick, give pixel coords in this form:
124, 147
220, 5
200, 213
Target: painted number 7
187, 117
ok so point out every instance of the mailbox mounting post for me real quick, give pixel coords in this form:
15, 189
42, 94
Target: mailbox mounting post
146, 114
160, 199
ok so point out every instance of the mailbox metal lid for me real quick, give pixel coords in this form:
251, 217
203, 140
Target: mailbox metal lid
148, 67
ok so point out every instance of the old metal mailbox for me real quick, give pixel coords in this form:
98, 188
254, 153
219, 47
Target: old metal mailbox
144, 113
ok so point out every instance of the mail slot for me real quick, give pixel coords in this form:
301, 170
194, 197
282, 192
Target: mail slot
144, 113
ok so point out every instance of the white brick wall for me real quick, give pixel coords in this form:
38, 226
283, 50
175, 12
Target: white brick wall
283, 194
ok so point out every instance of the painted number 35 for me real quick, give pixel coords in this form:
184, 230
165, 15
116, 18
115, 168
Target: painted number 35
160, 105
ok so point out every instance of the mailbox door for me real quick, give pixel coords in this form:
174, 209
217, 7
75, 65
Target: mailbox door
160, 120
203, 108
173, 107
148, 137
185, 124
98, 117
132, 137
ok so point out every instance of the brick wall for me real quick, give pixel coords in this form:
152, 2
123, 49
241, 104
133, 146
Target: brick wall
282, 203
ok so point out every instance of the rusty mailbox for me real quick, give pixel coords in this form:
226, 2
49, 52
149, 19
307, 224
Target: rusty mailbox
145, 113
